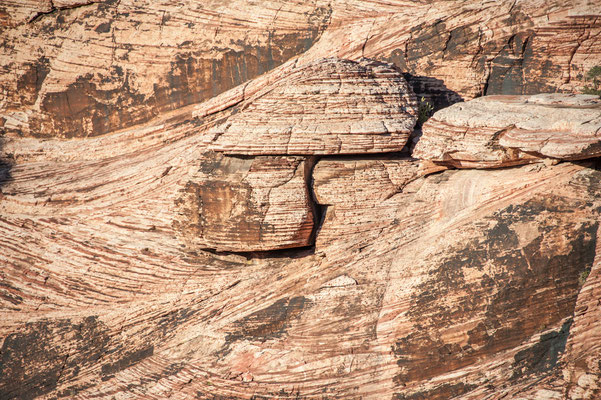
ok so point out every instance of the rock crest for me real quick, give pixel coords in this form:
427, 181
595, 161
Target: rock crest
330, 106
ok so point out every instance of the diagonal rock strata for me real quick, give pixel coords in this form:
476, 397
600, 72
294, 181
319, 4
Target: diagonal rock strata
423, 283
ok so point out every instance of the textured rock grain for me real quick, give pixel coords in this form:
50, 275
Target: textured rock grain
247, 204
423, 283
81, 68
500, 131
330, 106
461, 284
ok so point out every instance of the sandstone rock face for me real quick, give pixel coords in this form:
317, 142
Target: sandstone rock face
423, 282
415, 281
330, 106
82, 68
247, 204
348, 188
582, 371
498, 131
78, 68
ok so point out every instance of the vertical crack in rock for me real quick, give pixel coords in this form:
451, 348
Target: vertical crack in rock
319, 210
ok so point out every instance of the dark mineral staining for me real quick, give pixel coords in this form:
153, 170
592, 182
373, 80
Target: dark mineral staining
85, 109
34, 360
129, 359
269, 323
518, 292
442, 392
104, 27
30, 83
543, 355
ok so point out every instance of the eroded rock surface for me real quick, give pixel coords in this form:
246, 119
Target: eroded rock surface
424, 283
77, 68
500, 131
247, 204
330, 106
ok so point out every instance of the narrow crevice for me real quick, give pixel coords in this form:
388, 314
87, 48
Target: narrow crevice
54, 9
6, 164
292, 253
40, 14
319, 211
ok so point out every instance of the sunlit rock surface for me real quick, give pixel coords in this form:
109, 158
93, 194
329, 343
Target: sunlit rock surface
500, 131
121, 278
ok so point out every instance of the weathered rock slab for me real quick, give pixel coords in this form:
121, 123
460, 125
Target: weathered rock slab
247, 204
330, 106
500, 131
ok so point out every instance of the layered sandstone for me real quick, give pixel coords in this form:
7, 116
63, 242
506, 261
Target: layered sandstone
500, 131
421, 282
247, 204
83, 68
330, 106
439, 284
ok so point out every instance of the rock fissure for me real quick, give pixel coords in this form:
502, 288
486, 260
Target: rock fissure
54, 9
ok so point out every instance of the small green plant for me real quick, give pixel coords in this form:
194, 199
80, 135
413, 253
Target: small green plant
583, 275
424, 111
594, 77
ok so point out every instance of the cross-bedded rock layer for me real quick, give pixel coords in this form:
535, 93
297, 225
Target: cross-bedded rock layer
423, 282
79, 68
247, 204
330, 106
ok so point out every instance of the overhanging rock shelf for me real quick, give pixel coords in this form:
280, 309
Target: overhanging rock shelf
253, 190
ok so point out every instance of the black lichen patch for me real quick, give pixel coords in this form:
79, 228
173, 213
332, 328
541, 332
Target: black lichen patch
34, 360
269, 323
442, 392
543, 356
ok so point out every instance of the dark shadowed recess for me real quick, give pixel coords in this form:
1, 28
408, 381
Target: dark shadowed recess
433, 91
5, 166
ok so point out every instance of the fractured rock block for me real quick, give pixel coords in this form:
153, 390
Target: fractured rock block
246, 204
360, 194
330, 106
501, 131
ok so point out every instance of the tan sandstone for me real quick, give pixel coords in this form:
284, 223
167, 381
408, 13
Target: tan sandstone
499, 131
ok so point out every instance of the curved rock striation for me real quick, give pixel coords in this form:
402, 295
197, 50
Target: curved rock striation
423, 283
78, 68
329, 106
74, 68
500, 131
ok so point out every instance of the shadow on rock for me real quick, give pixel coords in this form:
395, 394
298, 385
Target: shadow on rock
433, 91
5, 166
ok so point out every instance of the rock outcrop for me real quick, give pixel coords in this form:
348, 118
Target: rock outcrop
501, 131
246, 201
247, 204
88, 67
154, 155
330, 106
